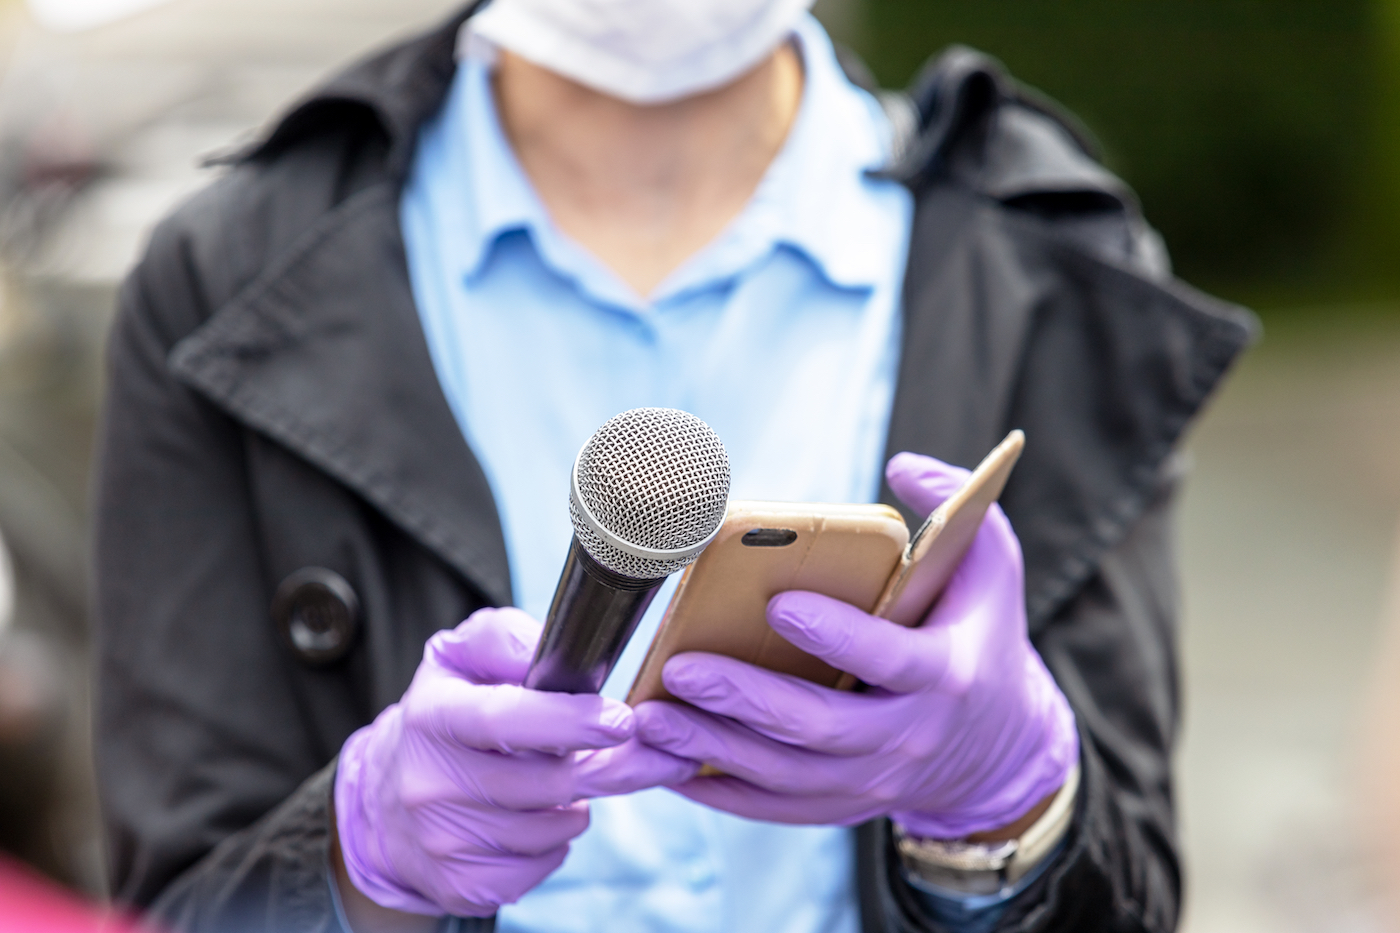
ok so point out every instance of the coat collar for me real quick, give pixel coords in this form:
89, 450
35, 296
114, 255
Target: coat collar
400, 87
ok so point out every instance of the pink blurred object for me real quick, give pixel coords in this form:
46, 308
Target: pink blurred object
30, 903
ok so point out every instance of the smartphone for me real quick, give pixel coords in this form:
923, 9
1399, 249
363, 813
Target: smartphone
761, 550
860, 554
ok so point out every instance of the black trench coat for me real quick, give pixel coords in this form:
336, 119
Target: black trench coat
272, 407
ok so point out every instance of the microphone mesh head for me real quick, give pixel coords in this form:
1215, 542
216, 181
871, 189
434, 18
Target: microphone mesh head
655, 478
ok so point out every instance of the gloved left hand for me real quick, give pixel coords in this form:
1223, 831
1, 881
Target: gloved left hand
464, 794
963, 730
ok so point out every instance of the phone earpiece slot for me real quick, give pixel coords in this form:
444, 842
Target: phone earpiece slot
769, 537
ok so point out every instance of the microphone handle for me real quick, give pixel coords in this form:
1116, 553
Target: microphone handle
593, 615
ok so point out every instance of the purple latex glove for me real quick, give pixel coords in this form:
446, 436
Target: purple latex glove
962, 730
464, 795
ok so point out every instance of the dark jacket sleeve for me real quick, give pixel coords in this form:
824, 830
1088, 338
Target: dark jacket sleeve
199, 732
1112, 649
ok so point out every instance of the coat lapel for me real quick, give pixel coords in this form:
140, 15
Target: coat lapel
964, 323
1103, 369
327, 356
1011, 323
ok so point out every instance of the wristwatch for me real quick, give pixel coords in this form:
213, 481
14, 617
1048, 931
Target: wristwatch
962, 867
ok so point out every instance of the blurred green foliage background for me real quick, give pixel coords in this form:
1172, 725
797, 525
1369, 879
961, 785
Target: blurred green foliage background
1263, 136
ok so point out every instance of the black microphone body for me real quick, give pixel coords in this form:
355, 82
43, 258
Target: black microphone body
593, 615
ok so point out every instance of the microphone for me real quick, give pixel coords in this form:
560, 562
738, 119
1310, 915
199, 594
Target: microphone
649, 491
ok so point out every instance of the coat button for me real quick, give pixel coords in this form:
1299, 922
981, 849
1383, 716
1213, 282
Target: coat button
317, 614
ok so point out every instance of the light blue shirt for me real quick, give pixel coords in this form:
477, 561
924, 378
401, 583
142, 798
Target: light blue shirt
782, 334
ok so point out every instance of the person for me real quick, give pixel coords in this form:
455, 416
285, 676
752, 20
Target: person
347, 382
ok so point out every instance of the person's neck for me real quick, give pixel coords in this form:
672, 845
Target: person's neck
643, 188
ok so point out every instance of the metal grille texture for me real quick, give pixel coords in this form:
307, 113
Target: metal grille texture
656, 478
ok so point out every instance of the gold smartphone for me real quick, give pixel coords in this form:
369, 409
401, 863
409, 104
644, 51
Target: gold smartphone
761, 550
860, 554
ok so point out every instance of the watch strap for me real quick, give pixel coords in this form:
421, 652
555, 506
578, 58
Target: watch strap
988, 867
1045, 833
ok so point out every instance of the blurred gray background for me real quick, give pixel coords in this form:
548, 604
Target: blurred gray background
1265, 142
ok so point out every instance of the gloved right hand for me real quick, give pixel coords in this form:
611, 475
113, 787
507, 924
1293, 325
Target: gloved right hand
464, 795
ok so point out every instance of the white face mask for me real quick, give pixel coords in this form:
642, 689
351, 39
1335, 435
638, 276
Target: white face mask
643, 51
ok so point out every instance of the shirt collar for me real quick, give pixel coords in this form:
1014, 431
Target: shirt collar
815, 197
499, 197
